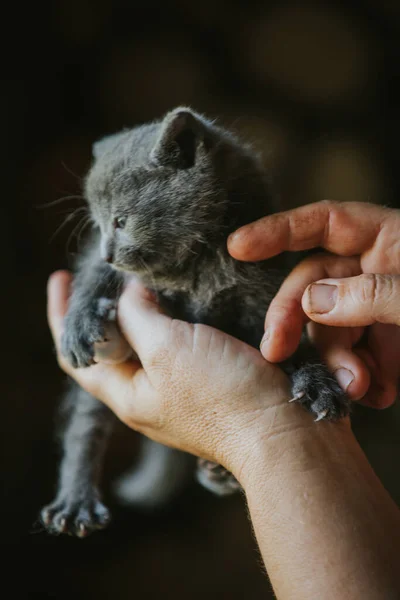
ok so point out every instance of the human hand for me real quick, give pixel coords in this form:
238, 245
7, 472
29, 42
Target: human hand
358, 291
195, 388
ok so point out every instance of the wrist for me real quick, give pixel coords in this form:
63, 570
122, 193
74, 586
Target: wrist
286, 442
317, 507
273, 431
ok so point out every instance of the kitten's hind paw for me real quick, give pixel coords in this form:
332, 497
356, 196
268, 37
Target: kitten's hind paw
216, 479
75, 518
315, 388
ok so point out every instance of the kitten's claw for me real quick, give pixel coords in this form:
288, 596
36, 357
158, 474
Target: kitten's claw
46, 517
82, 531
63, 525
297, 397
321, 415
317, 390
79, 518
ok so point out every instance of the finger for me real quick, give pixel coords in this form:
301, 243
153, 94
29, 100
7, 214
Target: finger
381, 355
382, 392
142, 321
384, 343
355, 301
346, 229
286, 318
58, 290
112, 384
336, 348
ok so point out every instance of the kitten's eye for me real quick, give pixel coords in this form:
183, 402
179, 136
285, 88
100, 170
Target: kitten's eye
119, 222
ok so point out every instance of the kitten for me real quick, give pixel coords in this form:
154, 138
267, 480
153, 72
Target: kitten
164, 197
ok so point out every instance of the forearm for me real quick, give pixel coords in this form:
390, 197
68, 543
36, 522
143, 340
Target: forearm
325, 525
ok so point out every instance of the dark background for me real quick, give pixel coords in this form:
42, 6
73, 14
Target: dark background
313, 85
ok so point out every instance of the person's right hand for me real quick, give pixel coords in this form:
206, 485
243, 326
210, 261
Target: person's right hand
355, 289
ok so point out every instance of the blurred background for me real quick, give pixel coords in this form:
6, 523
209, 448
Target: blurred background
314, 85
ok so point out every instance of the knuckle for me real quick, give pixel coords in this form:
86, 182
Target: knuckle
371, 288
333, 209
331, 204
157, 360
158, 357
376, 291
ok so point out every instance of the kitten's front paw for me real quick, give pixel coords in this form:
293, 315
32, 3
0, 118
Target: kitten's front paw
75, 517
83, 329
317, 390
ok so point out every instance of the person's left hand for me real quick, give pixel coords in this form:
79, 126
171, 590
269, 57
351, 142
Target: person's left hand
195, 388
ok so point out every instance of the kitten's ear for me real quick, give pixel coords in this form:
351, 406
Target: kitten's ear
182, 132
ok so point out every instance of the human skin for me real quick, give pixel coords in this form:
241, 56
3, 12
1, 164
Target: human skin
360, 278
325, 525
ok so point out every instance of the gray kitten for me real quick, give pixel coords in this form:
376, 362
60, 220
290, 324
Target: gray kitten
164, 197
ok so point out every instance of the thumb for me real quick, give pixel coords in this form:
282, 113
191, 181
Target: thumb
354, 301
142, 322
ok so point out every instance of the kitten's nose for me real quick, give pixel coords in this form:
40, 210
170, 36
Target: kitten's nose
109, 257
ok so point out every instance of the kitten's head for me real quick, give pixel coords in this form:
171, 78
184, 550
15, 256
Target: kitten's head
159, 192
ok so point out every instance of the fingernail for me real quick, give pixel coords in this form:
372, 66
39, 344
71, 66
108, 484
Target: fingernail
265, 338
322, 297
344, 378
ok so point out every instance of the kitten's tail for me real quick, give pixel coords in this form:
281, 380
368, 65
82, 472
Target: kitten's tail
157, 479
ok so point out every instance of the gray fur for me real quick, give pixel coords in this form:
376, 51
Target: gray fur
164, 197
156, 479
77, 508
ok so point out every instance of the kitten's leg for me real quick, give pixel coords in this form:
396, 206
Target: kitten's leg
157, 478
95, 292
77, 508
314, 386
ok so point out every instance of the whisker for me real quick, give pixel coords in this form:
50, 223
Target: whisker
74, 232
75, 211
86, 223
59, 201
143, 262
71, 235
67, 220
61, 227
77, 177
